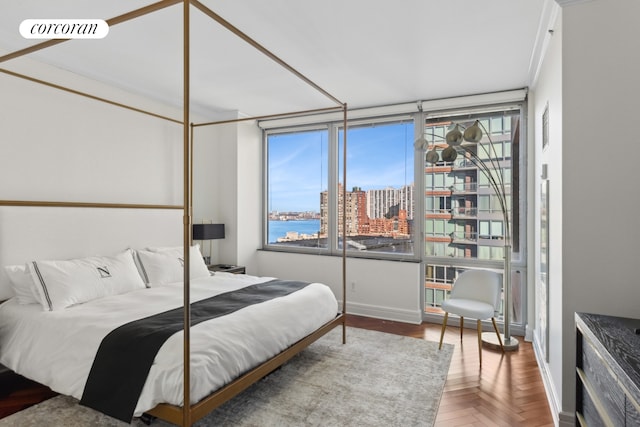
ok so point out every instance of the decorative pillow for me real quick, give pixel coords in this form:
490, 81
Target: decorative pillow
198, 266
22, 283
160, 266
60, 284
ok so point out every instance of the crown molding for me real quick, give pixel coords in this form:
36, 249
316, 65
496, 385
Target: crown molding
545, 31
564, 3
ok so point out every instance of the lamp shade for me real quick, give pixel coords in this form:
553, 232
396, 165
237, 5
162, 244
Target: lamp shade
473, 133
454, 137
208, 231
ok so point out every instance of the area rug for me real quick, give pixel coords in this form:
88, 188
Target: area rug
376, 379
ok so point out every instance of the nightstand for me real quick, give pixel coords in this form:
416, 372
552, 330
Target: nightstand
227, 268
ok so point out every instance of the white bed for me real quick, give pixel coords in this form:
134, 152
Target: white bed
57, 348
62, 229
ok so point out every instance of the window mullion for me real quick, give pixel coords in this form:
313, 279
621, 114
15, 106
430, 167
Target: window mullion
334, 155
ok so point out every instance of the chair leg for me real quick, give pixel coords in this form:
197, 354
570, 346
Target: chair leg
461, 326
444, 325
480, 340
495, 327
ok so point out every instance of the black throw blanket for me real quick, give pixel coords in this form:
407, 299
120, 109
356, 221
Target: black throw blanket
126, 354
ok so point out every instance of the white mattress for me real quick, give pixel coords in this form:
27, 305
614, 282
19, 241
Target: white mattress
57, 348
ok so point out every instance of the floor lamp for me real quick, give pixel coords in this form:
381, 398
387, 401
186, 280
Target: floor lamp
461, 139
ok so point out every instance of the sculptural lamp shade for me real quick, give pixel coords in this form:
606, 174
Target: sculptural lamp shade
460, 140
208, 232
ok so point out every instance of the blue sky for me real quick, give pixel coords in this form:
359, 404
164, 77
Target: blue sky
378, 156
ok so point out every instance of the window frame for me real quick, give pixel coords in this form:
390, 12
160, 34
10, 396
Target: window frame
334, 171
519, 227
265, 189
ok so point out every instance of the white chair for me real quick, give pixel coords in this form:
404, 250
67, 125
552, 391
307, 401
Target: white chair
475, 294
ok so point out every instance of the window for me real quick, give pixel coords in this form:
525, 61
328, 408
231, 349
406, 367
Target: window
380, 178
464, 222
491, 229
305, 189
297, 178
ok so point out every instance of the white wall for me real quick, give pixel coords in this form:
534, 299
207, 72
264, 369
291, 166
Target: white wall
375, 288
249, 193
214, 187
227, 188
547, 91
58, 146
593, 226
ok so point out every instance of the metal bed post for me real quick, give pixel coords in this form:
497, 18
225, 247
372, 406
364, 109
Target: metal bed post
187, 414
344, 222
186, 406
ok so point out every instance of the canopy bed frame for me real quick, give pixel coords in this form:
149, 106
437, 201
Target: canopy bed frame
188, 414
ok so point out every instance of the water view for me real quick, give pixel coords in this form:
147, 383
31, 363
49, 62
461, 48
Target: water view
278, 229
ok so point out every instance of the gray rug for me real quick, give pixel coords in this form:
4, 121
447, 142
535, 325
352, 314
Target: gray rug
376, 379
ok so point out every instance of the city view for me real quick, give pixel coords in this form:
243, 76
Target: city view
462, 219
386, 214
379, 201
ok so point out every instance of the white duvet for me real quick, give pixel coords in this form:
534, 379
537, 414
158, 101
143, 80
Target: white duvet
57, 348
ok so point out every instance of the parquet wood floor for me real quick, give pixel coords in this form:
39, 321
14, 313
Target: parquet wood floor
18, 393
506, 392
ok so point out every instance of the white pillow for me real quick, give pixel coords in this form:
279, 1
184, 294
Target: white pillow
166, 265
22, 283
60, 284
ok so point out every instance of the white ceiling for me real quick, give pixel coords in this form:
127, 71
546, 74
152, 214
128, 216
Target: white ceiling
363, 52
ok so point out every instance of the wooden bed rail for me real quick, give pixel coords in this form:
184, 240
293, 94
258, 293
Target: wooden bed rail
201, 409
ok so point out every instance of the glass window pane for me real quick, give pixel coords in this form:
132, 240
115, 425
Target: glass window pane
485, 153
483, 181
429, 249
297, 178
507, 176
380, 198
449, 181
485, 125
429, 182
484, 252
484, 229
429, 296
496, 229
451, 228
477, 215
484, 203
429, 226
497, 252
498, 147
496, 125
495, 204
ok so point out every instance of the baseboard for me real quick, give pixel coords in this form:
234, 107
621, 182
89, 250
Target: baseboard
552, 397
385, 313
528, 333
567, 420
